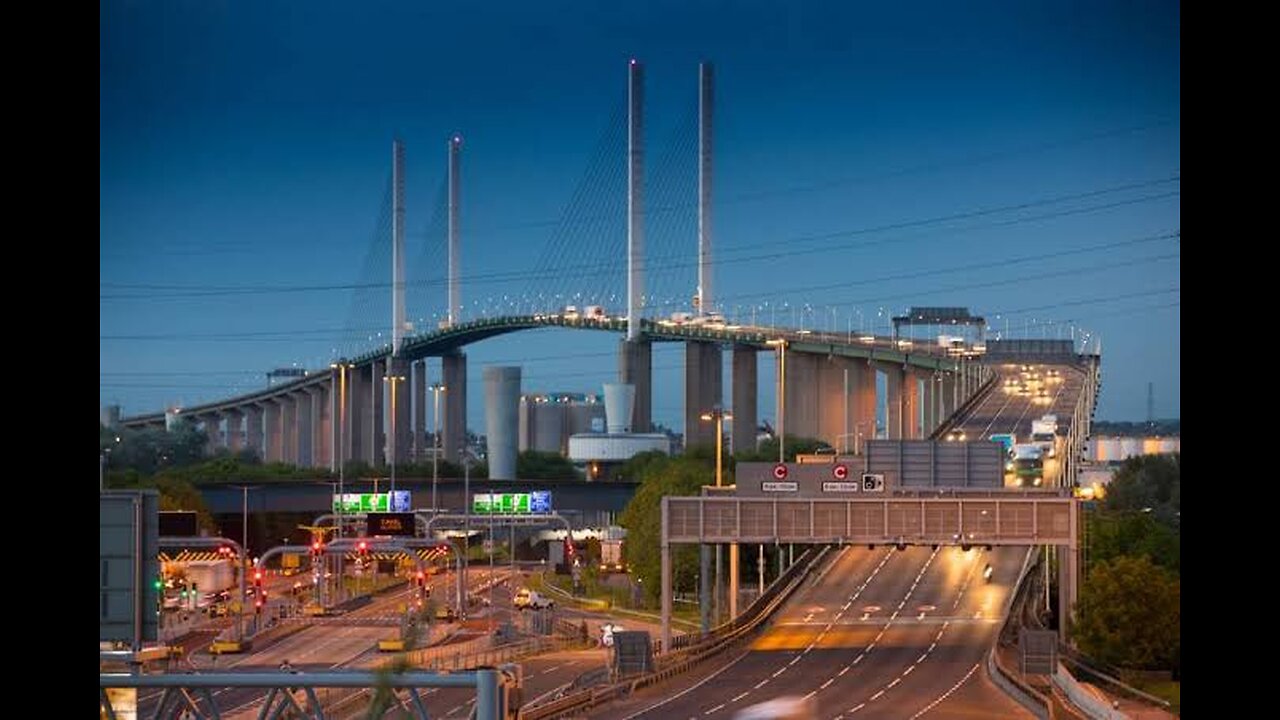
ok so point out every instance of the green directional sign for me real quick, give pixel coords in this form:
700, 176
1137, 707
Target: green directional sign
510, 503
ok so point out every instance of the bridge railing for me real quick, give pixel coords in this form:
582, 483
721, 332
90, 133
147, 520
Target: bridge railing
700, 647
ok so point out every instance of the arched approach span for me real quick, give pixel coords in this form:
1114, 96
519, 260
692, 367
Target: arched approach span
449, 340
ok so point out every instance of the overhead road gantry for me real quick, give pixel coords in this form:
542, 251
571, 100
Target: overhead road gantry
952, 517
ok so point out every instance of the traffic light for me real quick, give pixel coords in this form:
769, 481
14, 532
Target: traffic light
362, 547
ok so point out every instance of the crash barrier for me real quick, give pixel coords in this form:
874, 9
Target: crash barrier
295, 691
680, 659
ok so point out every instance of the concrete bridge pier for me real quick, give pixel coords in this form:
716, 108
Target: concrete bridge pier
745, 397
373, 416
322, 426
289, 427
304, 443
703, 390
929, 401
403, 430
635, 367
235, 430
893, 399
911, 403
418, 390
802, 394
453, 428
862, 382
253, 430
357, 402
212, 426
274, 447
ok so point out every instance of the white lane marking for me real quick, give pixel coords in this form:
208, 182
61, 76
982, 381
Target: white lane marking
738, 697
761, 684
718, 707
895, 682
827, 684
877, 695
944, 695
780, 671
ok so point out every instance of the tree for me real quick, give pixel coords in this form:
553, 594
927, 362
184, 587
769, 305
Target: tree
1148, 481
768, 449
1129, 615
643, 520
538, 465
1116, 533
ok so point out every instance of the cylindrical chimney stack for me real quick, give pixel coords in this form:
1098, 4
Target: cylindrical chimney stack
502, 420
619, 404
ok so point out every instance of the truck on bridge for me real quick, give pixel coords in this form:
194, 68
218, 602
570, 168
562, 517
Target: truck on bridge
1044, 432
1028, 464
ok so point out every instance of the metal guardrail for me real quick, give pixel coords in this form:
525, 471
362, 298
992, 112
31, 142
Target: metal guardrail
185, 691
678, 660
1009, 682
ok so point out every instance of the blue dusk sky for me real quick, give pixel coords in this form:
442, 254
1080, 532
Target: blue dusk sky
1020, 159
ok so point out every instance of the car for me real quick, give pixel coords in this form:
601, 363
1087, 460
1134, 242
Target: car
446, 614
526, 599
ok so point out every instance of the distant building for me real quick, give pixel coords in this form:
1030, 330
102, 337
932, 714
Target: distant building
1119, 449
548, 419
599, 454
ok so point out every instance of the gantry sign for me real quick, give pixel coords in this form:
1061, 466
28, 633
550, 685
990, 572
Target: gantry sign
951, 517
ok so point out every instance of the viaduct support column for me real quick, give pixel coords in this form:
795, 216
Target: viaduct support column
911, 404
213, 432
864, 403
635, 367
274, 431
289, 429
253, 430
947, 389
235, 430
745, 398
703, 383
419, 392
356, 433
321, 426
375, 449
802, 395
835, 406
397, 367
929, 400
453, 429
305, 422
894, 387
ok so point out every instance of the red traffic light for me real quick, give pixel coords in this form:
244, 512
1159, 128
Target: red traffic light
257, 576
317, 547
362, 546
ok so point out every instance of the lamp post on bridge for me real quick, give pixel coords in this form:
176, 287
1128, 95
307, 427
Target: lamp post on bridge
342, 366
392, 442
780, 345
436, 389
719, 415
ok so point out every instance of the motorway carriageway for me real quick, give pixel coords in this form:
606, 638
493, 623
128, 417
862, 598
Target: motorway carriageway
877, 633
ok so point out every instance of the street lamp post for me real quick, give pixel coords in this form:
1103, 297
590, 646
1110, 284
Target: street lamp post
436, 389
341, 366
244, 548
781, 345
718, 415
466, 532
392, 441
